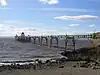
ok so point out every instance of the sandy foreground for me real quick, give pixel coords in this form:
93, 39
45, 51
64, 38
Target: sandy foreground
66, 70
59, 71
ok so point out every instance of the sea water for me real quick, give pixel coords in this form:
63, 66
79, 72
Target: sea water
11, 50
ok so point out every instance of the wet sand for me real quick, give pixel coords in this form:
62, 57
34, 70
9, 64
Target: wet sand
59, 71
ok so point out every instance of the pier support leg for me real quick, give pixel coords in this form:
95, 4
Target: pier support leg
34, 40
50, 42
57, 42
65, 43
47, 41
39, 40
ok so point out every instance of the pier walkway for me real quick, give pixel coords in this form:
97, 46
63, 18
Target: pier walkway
54, 41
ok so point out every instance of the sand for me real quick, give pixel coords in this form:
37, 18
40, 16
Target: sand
66, 70
59, 71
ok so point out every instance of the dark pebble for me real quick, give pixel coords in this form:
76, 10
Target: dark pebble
61, 66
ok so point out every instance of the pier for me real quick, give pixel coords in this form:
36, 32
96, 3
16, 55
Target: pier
53, 41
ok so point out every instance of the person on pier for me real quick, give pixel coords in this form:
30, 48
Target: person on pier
22, 36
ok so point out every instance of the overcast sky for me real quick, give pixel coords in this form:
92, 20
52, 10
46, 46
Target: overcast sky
49, 17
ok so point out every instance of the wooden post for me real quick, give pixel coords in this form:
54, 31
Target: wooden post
74, 42
38, 40
47, 41
51, 41
34, 39
66, 41
41, 39
57, 41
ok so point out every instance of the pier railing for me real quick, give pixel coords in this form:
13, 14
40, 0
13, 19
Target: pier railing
49, 40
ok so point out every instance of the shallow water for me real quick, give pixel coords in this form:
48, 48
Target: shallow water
11, 50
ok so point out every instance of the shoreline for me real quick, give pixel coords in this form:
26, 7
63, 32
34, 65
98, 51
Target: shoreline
40, 65
32, 62
65, 68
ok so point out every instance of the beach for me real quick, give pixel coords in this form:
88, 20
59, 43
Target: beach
58, 71
18, 58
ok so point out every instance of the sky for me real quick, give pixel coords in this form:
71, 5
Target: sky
49, 17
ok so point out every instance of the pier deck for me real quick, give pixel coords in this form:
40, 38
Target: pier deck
65, 42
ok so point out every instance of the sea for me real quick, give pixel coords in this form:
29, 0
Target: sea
12, 50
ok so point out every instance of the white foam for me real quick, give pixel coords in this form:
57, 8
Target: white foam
25, 63
5, 64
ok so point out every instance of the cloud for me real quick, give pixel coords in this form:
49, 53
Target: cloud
5, 8
21, 23
92, 26
80, 17
3, 2
73, 25
70, 27
63, 9
11, 21
1, 25
49, 1
65, 28
10, 30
